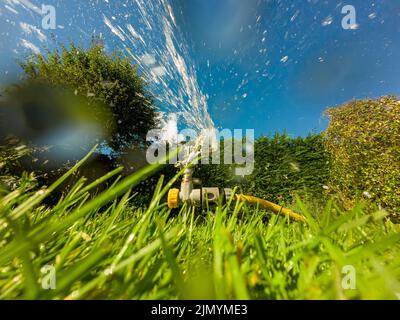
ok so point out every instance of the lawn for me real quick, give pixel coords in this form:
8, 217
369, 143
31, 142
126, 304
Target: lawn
105, 247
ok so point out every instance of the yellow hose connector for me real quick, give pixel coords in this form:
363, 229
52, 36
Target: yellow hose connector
173, 198
271, 206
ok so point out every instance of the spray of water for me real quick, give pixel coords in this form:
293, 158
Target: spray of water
158, 47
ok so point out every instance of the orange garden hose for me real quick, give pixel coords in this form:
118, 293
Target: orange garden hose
264, 204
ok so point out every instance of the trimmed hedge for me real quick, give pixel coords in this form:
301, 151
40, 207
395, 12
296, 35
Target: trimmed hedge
363, 140
283, 166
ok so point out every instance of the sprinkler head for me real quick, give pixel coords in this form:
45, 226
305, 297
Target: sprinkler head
197, 197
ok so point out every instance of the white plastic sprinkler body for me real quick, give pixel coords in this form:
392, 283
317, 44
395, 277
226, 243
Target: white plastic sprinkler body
186, 185
196, 197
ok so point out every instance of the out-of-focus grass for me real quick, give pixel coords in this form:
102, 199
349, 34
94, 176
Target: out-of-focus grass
103, 247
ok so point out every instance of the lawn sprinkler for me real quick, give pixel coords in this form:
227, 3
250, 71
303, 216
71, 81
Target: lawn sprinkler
196, 197
211, 195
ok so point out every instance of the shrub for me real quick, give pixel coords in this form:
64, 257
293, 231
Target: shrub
363, 140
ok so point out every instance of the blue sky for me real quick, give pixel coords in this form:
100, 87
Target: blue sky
264, 65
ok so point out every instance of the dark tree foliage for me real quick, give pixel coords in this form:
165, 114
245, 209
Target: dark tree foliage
101, 79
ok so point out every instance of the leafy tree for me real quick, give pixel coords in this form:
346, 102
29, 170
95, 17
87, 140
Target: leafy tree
363, 139
100, 79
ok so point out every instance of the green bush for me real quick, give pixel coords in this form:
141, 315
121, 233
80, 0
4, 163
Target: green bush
363, 140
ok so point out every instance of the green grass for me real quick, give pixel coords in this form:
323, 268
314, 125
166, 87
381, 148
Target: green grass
103, 247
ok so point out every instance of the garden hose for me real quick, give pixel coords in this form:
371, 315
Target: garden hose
264, 204
205, 196
199, 197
